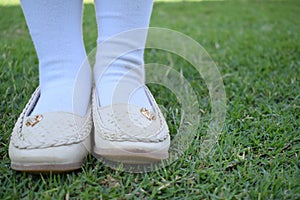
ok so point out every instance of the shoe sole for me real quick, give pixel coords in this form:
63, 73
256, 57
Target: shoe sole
46, 168
131, 156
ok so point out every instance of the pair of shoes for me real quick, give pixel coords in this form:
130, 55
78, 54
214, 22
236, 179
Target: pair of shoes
60, 141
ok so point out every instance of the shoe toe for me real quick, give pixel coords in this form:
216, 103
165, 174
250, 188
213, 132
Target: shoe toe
73, 153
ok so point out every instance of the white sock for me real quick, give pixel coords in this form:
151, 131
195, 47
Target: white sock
56, 30
126, 72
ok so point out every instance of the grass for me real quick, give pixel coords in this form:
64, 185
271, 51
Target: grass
257, 48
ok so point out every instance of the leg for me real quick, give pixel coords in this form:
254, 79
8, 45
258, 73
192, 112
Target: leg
56, 30
132, 130
115, 17
55, 136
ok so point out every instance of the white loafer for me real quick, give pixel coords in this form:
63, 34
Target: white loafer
55, 141
130, 134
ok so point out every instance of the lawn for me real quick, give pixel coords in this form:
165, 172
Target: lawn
256, 46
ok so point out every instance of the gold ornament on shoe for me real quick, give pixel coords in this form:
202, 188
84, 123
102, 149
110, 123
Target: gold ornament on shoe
33, 121
148, 114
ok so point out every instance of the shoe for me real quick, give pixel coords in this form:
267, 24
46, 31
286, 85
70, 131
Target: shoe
54, 141
130, 134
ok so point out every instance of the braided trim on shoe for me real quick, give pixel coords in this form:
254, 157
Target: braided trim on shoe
54, 129
123, 122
